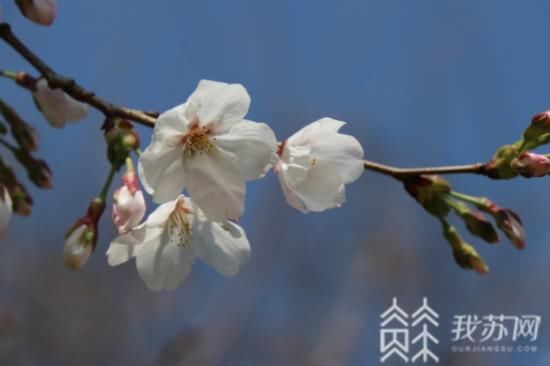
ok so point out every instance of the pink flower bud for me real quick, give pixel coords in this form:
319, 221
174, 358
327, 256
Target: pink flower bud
39, 11
129, 204
529, 164
508, 221
57, 106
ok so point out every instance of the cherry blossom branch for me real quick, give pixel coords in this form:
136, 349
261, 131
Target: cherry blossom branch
402, 173
70, 86
147, 118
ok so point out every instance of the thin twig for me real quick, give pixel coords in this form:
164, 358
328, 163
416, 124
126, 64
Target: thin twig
401, 173
147, 118
70, 86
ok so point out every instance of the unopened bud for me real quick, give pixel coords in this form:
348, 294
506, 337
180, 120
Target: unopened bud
79, 245
39, 11
21, 131
81, 239
480, 227
6, 209
467, 257
128, 204
464, 254
530, 165
21, 200
429, 191
507, 220
38, 171
500, 166
121, 140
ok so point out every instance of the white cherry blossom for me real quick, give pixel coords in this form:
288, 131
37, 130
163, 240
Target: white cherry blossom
173, 236
57, 106
207, 147
316, 163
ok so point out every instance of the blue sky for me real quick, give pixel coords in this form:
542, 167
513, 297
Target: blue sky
419, 83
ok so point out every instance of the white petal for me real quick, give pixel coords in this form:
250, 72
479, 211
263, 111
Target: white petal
165, 149
220, 104
343, 154
57, 106
291, 198
323, 125
161, 213
174, 121
255, 146
321, 190
171, 183
155, 163
295, 163
5, 212
126, 246
223, 246
162, 265
216, 185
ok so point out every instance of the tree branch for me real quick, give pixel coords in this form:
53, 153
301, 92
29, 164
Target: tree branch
70, 86
402, 173
147, 118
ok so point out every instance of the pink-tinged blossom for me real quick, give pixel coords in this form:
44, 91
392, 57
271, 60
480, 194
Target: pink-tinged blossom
129, 204
57, 106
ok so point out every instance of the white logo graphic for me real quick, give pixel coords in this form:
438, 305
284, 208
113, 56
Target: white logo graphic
395, 333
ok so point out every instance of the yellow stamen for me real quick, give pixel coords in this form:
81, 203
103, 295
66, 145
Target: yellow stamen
197, 141
178, 225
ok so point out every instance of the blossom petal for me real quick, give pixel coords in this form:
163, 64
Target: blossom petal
343, 153
216, 185
155, 165
322, 190
126, 246
254, 144
171, 184
291, 198
174, 121
326, 124
57, 106
296, 163
220, 105
223, 246
162, 265
161, 213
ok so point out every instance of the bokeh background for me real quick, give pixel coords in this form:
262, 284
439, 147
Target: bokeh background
419, 83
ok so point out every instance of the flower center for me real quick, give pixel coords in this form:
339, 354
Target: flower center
178, 226
197, 141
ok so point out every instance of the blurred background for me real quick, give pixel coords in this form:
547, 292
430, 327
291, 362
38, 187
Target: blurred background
419, 82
